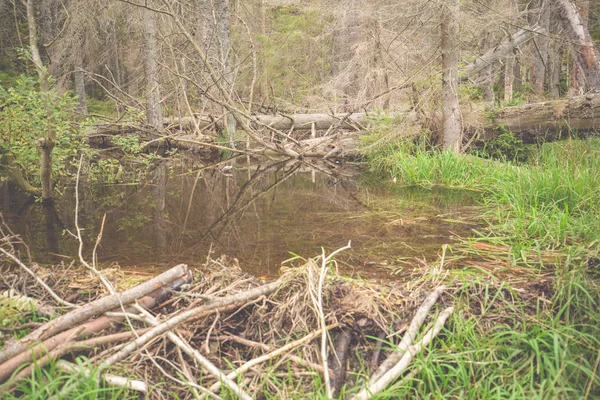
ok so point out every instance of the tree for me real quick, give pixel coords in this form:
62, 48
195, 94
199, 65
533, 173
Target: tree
575, 21
450, 55
47, 142
150, 56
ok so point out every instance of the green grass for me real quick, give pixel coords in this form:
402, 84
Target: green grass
506, 349
550, 201
49, 381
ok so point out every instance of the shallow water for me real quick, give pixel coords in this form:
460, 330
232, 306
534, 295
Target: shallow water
259, 213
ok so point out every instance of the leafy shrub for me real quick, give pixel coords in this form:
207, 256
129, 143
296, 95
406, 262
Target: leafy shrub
25, 117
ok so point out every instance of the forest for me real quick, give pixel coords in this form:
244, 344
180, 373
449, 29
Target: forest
266, 199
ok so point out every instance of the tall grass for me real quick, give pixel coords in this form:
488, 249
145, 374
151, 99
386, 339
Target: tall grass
49, 382
550, 200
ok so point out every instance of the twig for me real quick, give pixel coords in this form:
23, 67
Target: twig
188, 315
195, 354
410, 335
38, 280
288, 347
89, 310
318, 302
398, 369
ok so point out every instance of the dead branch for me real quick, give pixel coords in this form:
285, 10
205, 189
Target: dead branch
401, 366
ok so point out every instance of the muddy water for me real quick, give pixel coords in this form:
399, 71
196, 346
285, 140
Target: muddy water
259, 213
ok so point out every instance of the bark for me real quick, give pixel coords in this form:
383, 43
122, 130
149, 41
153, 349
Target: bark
300, 122
189, 315
576, 86
575, 23
150, 55
90, 310
17, 176
487, 83
398, 369
338, 360
449, 32
46, 145
225, 53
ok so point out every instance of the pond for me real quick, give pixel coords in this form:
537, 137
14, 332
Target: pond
261, 213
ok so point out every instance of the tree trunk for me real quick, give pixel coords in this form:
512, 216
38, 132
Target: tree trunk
575, 22
47, 143
509, 77
79, 83
487, 82
225, 53
346, 39
449, 32
150, 55
542, 46
576, 86
555, 70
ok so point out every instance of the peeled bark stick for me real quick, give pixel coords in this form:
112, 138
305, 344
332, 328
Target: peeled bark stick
410, 335
400, 367
112, 380
203, 361
86, 329
265, 357
188, 315
90, 310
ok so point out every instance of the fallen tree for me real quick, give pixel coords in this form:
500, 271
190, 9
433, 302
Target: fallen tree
544, 121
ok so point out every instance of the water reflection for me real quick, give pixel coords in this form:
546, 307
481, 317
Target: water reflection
258, 212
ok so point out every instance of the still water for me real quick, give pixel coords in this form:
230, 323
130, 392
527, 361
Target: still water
258, 212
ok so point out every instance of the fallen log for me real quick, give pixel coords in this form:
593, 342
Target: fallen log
55, 332
545, 121
499, 52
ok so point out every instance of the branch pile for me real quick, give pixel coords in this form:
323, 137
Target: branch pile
228, 331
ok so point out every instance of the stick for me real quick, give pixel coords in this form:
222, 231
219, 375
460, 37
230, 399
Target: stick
266, 347
90, 310
38, 280
203, 361
398, 369
69, 346
410, 335
318, 302
112, 380
265, 357
86, 329
188, 315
